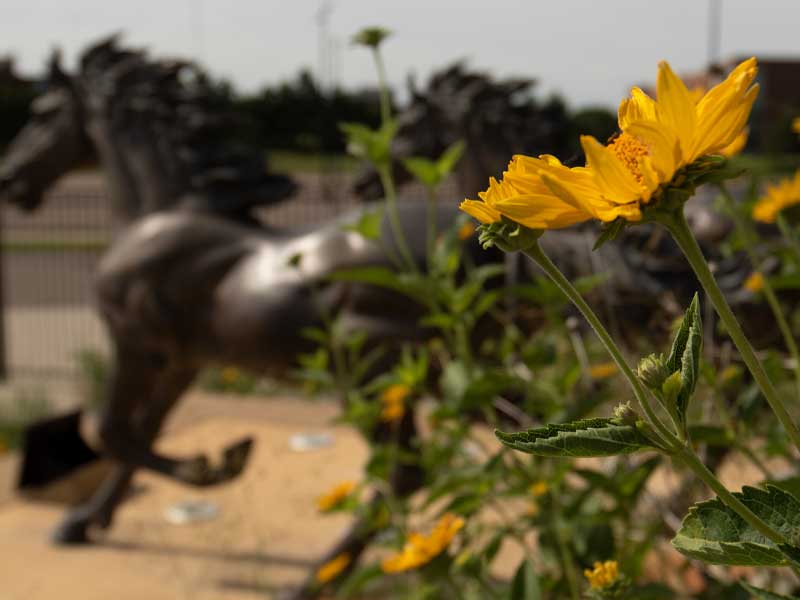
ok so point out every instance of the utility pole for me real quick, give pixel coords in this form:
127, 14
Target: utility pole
714, 32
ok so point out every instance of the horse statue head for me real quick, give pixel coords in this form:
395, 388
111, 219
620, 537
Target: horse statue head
496, 119
51, 143
162, 131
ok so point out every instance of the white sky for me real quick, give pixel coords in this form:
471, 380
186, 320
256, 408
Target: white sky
589, 50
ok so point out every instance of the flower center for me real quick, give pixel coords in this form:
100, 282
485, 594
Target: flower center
629, 150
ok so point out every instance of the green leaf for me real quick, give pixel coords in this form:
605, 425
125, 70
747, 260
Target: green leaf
610, 232
589, 437
685, 358
764, 594
368, 224
370, 144
449, 158
525, 585
713, 533
682, 337
424, 170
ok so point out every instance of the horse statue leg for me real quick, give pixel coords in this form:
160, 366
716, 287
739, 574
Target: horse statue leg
133, 382
153, 410
405, 480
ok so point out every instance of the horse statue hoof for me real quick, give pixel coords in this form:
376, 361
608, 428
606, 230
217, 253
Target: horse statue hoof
195, 471
72, 531
235, 458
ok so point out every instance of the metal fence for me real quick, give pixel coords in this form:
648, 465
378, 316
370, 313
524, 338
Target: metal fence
50, 255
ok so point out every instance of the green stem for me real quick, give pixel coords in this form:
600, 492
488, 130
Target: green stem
681, 450
431, 229
690, 460
567, 561
394, 218
535, 252
769, 293
675, 222
789, 235
386, 105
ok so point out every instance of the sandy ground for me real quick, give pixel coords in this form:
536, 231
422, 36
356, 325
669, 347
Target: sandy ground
266, 535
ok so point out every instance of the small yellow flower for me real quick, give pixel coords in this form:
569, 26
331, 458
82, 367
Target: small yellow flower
603, 575
796, 124
421, 549
754, 283
782, 195
393, 399
229, 375
335, 496
465, 231
538, 489
333, 568
603, 370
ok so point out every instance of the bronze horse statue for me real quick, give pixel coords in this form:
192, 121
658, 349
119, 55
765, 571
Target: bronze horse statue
196, 280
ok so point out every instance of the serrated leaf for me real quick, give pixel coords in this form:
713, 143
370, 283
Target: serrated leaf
760, 594
713, 533
589, 437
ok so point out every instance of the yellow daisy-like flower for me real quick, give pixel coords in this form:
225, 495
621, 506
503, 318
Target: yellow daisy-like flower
421, 549
754, 283
523, 197
335, 496
393, 399
659, 137
782, 195
333, 568
603, 575
538, 489
603, 370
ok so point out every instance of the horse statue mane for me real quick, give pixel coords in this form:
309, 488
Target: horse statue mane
495, 117
164, 133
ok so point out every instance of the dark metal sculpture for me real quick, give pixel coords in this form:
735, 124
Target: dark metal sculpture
193, 282
495, 118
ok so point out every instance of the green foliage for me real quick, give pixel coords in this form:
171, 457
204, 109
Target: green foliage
94, 369
432, 173
590, 437
760, 594
713, 533
369, 144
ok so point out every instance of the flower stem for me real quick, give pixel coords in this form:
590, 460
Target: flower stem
394, 219
535, 252
675, 222
769, 293
681, 450
789, 235
386, 105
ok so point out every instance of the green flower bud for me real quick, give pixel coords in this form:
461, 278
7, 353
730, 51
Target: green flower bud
653, 371
371, 36
671, 388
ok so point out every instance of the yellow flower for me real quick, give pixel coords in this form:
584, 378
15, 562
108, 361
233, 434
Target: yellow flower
229, 375
393, 399
538, 489
659, 137
465, 231
782, 195
603, 370
335, 496
754, 283
333, 568
796, 124
603, 575
523, 197
421, 549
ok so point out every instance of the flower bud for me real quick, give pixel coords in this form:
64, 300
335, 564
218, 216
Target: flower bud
653, 371
671, 388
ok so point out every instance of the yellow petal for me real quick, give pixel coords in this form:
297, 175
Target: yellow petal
616, 183
638, 107
480, 210
664, 151
676, 108
542, 211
